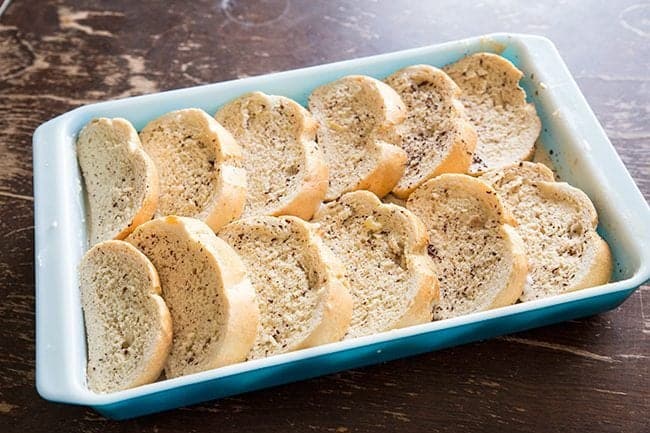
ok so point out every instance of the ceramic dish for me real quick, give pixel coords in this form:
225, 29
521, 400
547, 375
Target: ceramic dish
582, 155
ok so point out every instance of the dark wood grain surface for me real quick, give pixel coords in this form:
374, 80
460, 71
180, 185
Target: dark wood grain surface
591, 374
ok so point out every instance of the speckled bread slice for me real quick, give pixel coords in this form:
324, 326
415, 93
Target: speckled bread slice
120, 179
506, 124
558, 225
128, 326
286, 172
303, 298
358, 116
199, 165
480, 258
384, 248
204, 283
436, 134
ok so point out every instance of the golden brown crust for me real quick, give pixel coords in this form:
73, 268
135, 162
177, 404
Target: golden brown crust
388, 171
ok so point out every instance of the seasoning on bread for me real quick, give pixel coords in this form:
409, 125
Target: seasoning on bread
286, 172
199, 165
557, 223
128, 326
480, 259
357, 118
302, 295
383, 247
436, 134
204, 284
121, 181
506, 124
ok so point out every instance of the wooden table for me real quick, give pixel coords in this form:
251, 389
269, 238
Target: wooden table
591, 374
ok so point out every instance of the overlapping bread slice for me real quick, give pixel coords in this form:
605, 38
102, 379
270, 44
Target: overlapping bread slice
286, 172
558, 225
302, 294
436, 134
120, 179
383, 247
204, 284
480, 259
128, 326
506, 124
357, 118
199, 166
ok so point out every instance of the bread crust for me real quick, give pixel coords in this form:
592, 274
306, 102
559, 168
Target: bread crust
157, 349
390, 159
226, 200
235, 292
334, 308
123, 132
457, 157
424, 290
510, 287
304, 201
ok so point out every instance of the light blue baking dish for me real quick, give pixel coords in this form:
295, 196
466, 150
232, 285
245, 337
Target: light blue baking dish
581, 153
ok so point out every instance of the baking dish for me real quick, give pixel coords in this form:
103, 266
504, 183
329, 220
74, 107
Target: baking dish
581, 153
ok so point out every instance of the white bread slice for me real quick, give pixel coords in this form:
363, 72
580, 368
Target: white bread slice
286, 172
506, 124
558, 225
128, 326
357, 118
302, 294
480, 258
199, 165
436, 134
120, 179
204, 283
384, 248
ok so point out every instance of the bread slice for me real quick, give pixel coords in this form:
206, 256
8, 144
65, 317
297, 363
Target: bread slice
384, 248
128, 326
303, 298
358, 117
199, 164
204, 283
479, 256
286, 172
558, 225
120, 179
436, 134
506, 124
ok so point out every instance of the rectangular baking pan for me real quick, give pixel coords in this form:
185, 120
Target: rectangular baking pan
582, 155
